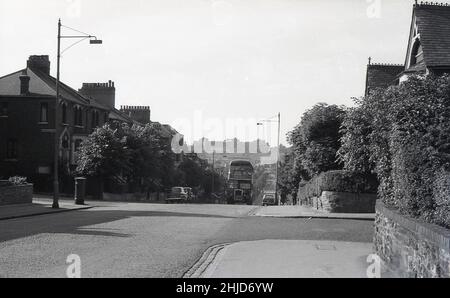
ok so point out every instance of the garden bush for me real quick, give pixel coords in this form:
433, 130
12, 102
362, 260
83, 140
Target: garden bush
17, 180
403, 135
441, 196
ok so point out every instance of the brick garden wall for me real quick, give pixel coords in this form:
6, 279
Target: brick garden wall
409, 247
19, 194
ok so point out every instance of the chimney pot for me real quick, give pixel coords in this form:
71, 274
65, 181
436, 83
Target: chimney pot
24, 84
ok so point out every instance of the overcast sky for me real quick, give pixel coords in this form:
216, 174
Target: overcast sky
200, 64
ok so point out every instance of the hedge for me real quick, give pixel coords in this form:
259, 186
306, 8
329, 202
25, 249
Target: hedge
338, 181
403, 135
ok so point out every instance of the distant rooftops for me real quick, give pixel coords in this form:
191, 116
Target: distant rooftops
109, 84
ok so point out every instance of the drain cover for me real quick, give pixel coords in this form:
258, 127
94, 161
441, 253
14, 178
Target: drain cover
325, 247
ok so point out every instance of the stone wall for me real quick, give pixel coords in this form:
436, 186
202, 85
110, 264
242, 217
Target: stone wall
344, 202
411, 248
16, 194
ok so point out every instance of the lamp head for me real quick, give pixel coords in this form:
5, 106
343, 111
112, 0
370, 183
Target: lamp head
95, 41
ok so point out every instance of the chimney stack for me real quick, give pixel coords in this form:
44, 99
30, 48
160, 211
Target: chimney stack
104, 93
24, 83
140, 114
39, 63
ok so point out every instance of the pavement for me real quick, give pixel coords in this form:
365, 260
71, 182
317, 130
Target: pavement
284, 259
306, 212
38, 207
279, 258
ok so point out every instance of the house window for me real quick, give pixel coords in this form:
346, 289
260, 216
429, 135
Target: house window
11, 149
95, 119
75, 115
44, 112
76, 150
65, 141
4, 109
78, 116
416, 54
64, 113
78, 144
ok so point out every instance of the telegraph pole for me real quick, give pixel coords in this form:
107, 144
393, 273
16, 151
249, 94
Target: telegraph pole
56, 145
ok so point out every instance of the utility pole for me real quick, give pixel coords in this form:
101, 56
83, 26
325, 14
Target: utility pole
56, 145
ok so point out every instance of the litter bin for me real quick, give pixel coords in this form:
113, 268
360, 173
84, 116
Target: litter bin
80, 190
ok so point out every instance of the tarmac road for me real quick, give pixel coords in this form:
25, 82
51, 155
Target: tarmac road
147, 240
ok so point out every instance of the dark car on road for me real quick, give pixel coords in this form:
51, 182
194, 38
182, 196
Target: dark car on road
269, 199
177, 195
180, 194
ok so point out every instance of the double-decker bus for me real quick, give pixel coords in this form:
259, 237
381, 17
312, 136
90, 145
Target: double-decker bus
239, 185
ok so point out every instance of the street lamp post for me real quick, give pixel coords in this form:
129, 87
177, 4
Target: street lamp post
213, 173
92, 40
278, 153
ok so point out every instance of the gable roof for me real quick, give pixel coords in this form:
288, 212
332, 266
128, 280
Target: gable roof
44, 85
10, 84
115, 114
433, 23
382, 75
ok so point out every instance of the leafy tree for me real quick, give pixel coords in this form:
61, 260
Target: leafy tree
150, 156
104, 154
139, 155
289, 178
207, 181
316, 140
191, 172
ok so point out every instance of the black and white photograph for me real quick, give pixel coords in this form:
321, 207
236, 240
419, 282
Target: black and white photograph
227, 146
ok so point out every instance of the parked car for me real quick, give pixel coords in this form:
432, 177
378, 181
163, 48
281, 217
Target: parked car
269, 199
177, 194
190, 193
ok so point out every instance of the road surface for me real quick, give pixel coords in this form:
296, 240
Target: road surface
147, 240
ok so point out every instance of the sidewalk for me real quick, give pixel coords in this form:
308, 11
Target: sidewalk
306, 212
285, 259
38, 207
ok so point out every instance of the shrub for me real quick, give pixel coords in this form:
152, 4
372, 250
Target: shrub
17, 180
441, 196
403, 135
339, 181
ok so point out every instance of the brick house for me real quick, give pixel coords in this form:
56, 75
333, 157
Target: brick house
428, 49
27, 111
